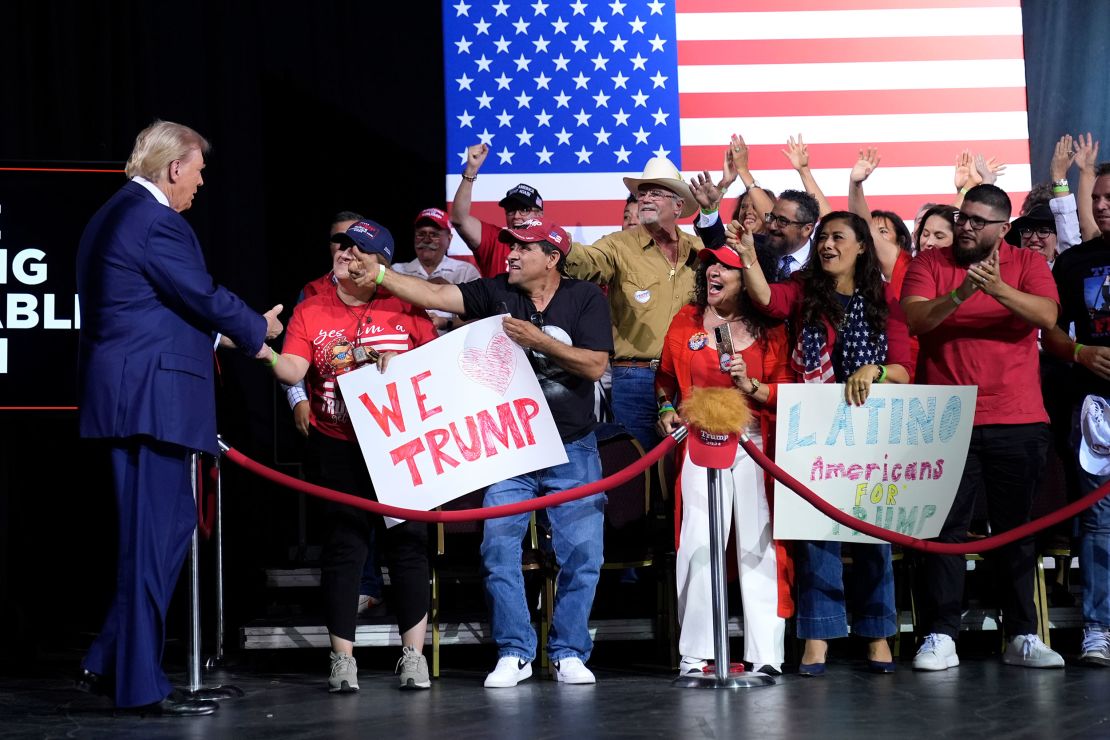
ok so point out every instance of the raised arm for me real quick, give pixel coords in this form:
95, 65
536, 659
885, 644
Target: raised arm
1062, 204
1086, 158
737, 157
755, 282
798, 155
469, 227
886, 250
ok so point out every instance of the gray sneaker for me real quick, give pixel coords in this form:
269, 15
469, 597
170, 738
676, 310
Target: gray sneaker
344, 674
413, 669
1028, 651
1096, 646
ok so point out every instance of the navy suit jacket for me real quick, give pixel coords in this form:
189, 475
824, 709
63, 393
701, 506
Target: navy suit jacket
149, 313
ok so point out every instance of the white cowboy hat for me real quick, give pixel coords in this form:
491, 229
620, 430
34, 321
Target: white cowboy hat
662, 172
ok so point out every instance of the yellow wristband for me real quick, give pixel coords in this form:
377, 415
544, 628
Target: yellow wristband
273, 358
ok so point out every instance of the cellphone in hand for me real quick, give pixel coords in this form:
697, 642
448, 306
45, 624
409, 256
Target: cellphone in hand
723, 336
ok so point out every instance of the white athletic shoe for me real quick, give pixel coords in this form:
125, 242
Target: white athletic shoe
1028, 651
937, 653
509, 671
572, 670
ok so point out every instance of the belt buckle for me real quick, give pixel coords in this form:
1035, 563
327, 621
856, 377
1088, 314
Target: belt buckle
654, 364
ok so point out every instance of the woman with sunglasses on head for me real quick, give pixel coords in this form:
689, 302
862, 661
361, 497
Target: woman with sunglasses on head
839, 293
758, 361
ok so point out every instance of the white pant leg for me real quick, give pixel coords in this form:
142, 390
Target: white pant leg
743, 496
764, 629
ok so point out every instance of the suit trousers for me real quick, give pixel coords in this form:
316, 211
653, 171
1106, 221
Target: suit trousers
157, 514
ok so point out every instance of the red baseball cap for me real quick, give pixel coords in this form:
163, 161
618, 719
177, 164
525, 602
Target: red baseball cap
726, 255
535, 230
436, 216
711, 449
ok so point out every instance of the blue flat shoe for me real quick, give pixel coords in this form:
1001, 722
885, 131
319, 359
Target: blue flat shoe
812, 670
881, 666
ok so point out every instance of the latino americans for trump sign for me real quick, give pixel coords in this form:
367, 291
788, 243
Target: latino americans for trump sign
457, 414
895, 462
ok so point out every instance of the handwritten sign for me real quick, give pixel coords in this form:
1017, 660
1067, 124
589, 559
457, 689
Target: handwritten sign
894, 462
457, 414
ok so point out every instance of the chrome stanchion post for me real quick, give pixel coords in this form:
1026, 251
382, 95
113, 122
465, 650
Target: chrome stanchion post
194, 586
212, 692
723, 677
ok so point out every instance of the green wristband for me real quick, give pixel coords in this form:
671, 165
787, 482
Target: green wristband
273, 358
882, 374
1075, 354
665, 408
381, 275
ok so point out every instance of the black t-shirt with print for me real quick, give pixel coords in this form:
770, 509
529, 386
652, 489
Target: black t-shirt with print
578, 315
1083, 279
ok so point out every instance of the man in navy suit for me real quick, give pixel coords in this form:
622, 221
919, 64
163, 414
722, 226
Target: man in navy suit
150, 315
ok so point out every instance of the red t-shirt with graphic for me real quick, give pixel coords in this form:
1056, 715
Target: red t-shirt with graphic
324, 331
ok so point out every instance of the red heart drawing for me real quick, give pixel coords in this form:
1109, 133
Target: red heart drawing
493, 366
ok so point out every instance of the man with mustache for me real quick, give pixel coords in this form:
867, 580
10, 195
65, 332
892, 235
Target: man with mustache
977, 309
431, 237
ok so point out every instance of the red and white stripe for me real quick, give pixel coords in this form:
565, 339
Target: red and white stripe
920, 79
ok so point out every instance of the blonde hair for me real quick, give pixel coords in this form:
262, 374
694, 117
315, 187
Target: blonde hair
159, 144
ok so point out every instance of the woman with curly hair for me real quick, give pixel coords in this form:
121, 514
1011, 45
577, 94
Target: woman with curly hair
757, 363
850, 329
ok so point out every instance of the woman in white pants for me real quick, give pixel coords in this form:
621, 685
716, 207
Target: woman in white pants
757, 363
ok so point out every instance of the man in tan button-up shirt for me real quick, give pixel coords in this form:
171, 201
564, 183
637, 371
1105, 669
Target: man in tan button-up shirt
649, 270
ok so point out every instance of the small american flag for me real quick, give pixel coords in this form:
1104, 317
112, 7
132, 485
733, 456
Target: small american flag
573, 96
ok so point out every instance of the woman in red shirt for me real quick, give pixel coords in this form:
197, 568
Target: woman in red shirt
332, 333
850, 329
758, 363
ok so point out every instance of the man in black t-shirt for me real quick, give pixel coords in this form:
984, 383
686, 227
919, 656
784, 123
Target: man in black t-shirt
564, 327
1082, 275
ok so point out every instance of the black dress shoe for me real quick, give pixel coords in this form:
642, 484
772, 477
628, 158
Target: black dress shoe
177, 704
92, 683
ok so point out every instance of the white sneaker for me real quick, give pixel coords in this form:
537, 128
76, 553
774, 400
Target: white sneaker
1028, 651
937, 653
344, 674
1096, 646
509, 671
691, 666
572, 670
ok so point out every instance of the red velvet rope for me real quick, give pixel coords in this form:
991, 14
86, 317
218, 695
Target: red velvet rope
937, 548
459, 515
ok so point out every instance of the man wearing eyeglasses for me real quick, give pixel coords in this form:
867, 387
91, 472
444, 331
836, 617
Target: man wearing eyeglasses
561, 323
521, 203
649, 270
1081, 275
790, 225
977, 309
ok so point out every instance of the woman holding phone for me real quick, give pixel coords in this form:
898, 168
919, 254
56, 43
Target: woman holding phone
719, 340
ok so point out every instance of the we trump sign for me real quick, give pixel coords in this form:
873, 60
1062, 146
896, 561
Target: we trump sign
450, 417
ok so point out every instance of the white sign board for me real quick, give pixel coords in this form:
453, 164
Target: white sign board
457, 414
894, 462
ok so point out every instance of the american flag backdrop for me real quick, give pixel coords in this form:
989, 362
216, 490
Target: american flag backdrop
572, 96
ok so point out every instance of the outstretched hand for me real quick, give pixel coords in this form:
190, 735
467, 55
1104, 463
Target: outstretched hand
797, 153
989, 170
868, 161
273, 324
1086, 154
705, 192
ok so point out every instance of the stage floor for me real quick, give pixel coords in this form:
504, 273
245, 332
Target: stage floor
980, 698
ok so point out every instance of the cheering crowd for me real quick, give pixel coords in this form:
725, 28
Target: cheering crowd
801, 292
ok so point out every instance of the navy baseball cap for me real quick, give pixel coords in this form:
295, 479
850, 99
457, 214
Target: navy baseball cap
369, 237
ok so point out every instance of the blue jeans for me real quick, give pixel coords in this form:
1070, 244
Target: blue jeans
821, 591
1094, 554
634, 403
576, 533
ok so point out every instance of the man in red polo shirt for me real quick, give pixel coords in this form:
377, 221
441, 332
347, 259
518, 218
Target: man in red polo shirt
977, 308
